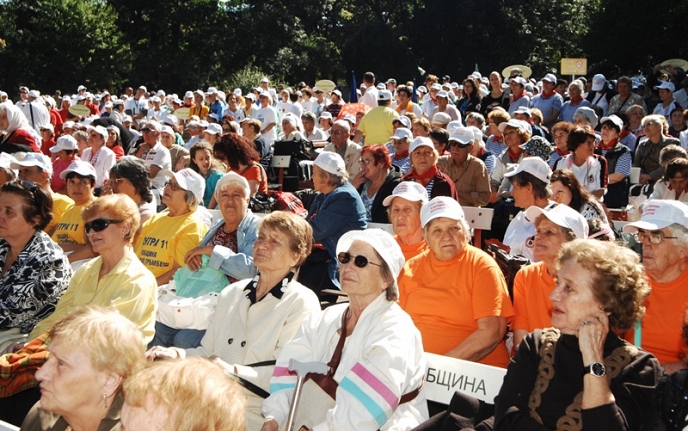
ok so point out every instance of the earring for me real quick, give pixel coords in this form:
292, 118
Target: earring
105, 399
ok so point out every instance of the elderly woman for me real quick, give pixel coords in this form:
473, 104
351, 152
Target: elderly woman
18, 135
375, 181
377, 376
98, 154
589, 168
400, 144
515, 133
290, 129
203, 162
531, 187
495, 140
674, 184
69, 232
424, 170
579, 373
664, 235
636, 113
403, 209
131, 176
177, 152
555, 225
35, 271
619, 159
228, 246
519, 97
560, 135
64, 153
81, 140
167, 236
576, 100
256, 317
114, 142
211, 401
241, 156
453, 275
647, 153
336, 210
91, 353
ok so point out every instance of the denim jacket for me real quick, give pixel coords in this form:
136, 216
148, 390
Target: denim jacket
237, 265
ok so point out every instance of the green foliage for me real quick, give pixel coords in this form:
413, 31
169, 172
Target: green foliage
246, 78
54, 44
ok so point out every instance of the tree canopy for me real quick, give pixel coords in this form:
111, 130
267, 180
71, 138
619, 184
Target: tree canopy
186, 44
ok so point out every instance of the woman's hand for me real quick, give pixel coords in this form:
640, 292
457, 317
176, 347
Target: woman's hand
159, 352
644, 179
106, 189
358, 180
591, 336
194, 257
270, 425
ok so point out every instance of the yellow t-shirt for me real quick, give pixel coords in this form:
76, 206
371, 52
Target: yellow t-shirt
376, 125
129, 287
70, 227
165, 240
61, 203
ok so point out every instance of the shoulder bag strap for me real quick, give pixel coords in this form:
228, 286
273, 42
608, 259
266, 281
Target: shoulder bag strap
337, 355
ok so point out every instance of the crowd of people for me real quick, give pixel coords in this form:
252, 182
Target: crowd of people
127, 233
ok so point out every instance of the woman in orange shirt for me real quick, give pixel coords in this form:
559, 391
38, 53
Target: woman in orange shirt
241, 156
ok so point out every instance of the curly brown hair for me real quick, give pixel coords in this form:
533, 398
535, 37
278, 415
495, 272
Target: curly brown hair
236, 150
619, 283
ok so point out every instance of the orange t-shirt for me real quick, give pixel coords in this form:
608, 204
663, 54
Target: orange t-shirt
663, 320
410, 251
445, 299
256, 173
532, 307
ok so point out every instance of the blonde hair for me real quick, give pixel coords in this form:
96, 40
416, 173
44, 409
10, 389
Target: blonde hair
297, 229
121, 206
115, 343
194, 393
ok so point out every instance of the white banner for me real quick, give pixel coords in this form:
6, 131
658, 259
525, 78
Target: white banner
446, 375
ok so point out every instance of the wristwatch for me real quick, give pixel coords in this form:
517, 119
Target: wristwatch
597, 369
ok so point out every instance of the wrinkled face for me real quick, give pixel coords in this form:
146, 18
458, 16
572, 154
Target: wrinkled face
366, 281
609, 133
678, 182
271, 251
573, 300
32, 173
150, 135
320, 179
400, 145
653, 129
110, 237
287, 127
422, 159
659, 259
12, 221
523, 195
174, 196
560, 138
548, 239
167, 139
404, 216
511, 137
232, 201
624, 89
308, 124
459, 154
370, 169
445, 237
338, 135
95, 139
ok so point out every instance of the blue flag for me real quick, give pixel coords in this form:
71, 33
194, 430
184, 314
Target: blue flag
353, 95
414, 95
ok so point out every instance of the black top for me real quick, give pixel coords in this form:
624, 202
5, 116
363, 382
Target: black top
379, 211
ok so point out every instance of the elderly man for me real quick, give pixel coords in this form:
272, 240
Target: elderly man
468, 173
345, 147
156, 156
664, 235
666, 97
403, 210
312, 132
137, 106
376, 124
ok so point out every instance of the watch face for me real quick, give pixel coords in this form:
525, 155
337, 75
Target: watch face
597, 369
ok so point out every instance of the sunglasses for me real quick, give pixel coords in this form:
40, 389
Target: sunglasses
148, 130
99, 224
359, 261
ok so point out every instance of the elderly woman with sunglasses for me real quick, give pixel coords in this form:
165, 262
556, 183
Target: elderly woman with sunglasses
376, 377
35, 270
167, 236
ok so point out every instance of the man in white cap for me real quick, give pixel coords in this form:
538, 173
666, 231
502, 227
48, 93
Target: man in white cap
371, 92
663, 232
35, 111
156, 156
268, 117
468, 173
600, 94
549, 102
345, 147
403, 210
37, 168
666, 98
453, 275
137, 106
336, 210
376, 124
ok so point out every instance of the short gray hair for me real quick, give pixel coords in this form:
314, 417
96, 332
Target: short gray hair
343, 124
680, 232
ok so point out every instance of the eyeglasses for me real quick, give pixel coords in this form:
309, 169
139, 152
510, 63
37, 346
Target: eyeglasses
653, 237
365, 162
99, 224
173, 186
359, 261
147, 130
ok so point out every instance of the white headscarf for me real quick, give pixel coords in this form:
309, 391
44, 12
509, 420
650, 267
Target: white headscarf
16, 118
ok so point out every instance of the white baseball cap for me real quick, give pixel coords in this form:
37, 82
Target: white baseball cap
658, 214
421, 141
551, 78
441, 206
211, 90
409, 190
404, 120
534, 166
401, 133
561, 215
80, 167
65, 142
331, 162
666, 85
598, 82
384, 95
618, 122
214, 129
34, 159
441, 118
516, 124
523, 110
189, 180
463, 136
384, 244
102, 131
